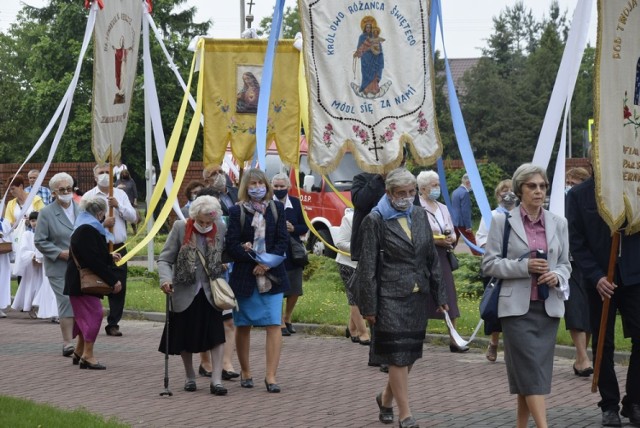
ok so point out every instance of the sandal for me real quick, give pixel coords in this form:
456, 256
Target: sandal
492, 352
386, 413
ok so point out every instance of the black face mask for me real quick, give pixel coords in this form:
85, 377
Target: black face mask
280, 193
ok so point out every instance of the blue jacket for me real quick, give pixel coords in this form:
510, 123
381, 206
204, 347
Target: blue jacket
461, 207
242, 280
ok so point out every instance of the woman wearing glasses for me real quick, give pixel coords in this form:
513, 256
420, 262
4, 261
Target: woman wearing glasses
535, 274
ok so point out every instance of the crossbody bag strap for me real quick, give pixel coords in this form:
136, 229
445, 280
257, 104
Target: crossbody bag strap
74, 259
436, 219
505, 237
204, 263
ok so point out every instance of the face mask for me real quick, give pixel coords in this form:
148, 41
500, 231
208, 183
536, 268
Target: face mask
257, 193
402, 204
203, 230
103, 180
280, 193
434, 194
509, 200
66, 198
220, 183
567, 188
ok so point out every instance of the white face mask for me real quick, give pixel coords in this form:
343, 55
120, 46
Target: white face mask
402, 204
220, 183
66, 198
203, 230
103, 180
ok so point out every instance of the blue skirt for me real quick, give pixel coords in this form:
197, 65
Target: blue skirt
258, 310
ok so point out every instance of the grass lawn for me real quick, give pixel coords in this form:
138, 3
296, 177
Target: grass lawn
19, 413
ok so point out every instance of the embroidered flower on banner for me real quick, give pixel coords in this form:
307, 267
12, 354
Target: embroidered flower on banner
632, 119
423, 125
361, 134
240, 127
328, 133
388, 133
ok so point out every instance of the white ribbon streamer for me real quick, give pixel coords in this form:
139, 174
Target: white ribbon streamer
460, 342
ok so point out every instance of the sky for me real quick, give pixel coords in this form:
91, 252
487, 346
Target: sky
467, 23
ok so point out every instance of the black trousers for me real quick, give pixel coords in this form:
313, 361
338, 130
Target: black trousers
626, 299
116, 301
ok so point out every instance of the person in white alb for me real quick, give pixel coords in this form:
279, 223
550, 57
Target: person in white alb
123, 212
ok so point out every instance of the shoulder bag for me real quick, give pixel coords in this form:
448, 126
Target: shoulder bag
90, 283
451, 256
489, 301
223, 297
298, 254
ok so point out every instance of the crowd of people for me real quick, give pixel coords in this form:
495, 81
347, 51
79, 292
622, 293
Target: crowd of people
396, 260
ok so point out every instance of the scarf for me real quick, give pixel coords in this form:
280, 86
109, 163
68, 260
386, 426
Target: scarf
259, 224
86, 218
388, 212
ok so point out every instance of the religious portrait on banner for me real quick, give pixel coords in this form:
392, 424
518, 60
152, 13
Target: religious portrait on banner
370, 82
248, 84
616, 147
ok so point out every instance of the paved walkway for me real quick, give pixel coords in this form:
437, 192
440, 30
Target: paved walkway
325, 383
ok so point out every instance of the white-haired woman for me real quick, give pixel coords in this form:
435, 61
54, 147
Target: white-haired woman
397, 270
52, 239
89, 249
535, 278
195, 325
445, 239
296, 227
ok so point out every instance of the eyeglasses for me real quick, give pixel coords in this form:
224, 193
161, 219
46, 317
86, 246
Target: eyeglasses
63, 190
534, 186
214, 173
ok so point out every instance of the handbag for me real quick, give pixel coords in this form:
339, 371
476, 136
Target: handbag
490, 297
223, 297
453, 260
298, 254
90, 283
6, 247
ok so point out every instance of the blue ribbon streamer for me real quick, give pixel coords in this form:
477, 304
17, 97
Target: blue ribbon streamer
460, 131
262, 115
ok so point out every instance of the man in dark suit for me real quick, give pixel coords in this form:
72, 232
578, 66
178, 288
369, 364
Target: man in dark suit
590, 244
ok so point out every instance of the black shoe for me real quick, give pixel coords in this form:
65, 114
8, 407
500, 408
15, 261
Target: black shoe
228, 375
365, 342
370, 364
246, 383
290, 327
582, 373
112, 330
386, 413
458, 349
75, 358
610, 418
272, 387
218, 389
68, 350
384, 368
347, 333
355, 339
190, 385
84, 364
409, 422
632, 411
203, 372
285, 331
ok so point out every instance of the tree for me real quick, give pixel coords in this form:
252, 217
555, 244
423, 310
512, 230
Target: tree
290, 23
38, 56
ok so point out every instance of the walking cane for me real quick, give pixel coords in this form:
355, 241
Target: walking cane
605, 311
166, 349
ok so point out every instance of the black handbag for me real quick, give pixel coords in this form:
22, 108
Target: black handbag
453, 260
299, 256
489, 301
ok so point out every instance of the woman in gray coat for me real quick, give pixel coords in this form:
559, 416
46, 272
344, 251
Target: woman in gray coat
397, 270
195, 325
535, 274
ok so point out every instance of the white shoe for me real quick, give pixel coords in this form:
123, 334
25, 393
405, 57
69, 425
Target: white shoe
2, 314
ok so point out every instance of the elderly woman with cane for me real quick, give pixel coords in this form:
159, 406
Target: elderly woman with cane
397, 271
191, 256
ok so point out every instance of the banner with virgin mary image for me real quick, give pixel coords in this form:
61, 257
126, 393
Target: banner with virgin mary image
370, 80
616, 147
116, 40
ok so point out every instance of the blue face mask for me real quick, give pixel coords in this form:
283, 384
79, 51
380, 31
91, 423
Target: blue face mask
257, 193
280, 193
434, 194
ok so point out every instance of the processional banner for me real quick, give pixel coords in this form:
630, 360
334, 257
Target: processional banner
116, 41
616, 148
370, 80
232, 74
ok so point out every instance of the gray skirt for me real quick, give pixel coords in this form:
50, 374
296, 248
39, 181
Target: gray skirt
529, 342
295, 282
64, 304
399, 331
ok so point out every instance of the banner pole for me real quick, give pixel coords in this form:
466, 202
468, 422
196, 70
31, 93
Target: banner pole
605, 311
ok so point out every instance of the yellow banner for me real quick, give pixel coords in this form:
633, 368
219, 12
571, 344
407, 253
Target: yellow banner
233, 71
